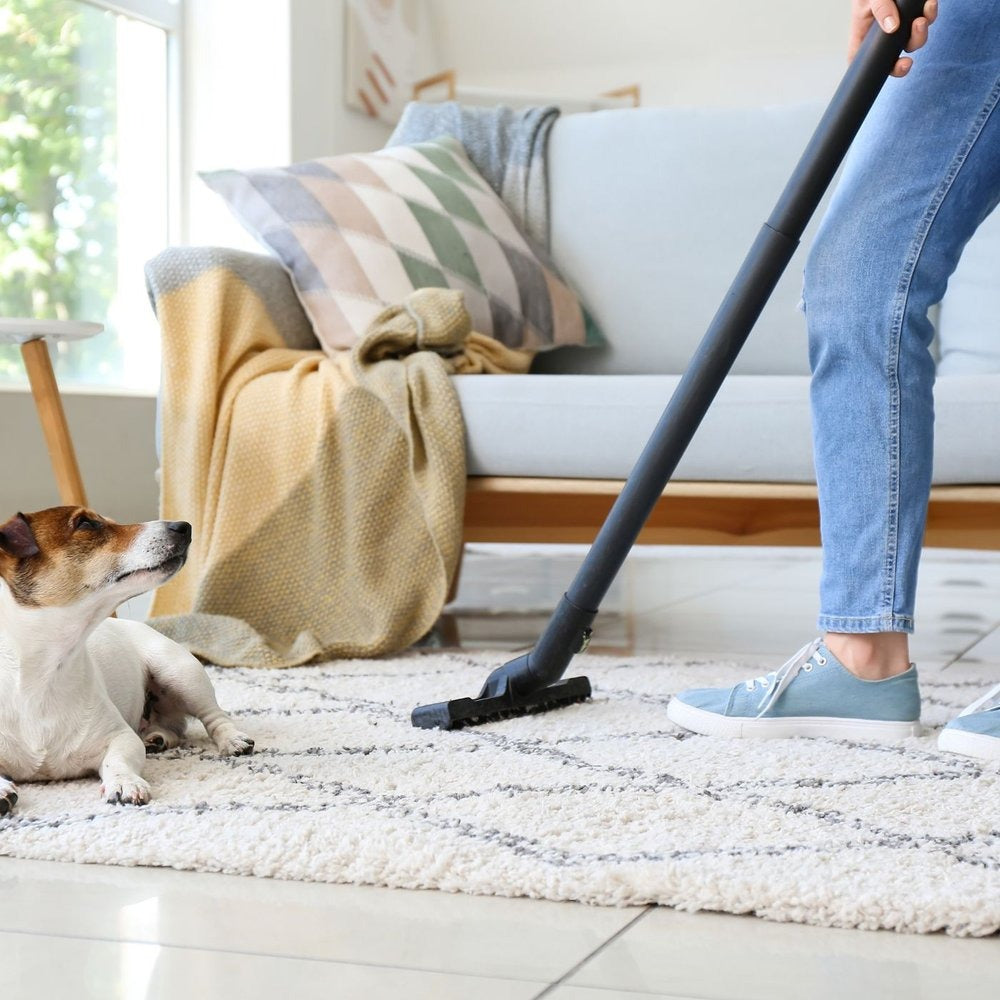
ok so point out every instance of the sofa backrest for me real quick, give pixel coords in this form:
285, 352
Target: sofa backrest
969, 325
652, 212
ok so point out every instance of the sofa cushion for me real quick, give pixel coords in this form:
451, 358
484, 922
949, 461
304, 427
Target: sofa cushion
969, 324
360, 232
757, 430
652, 212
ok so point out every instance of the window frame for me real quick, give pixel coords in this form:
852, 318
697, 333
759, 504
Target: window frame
166, 14
169, 16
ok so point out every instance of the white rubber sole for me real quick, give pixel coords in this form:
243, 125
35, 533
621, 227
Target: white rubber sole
711, 724
969, 744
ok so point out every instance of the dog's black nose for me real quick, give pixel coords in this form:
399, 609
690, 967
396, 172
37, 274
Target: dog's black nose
180, 528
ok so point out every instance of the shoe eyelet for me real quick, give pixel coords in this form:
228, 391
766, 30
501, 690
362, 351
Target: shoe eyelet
808, 668
821, 660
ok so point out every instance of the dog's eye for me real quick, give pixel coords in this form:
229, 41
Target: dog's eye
88, 524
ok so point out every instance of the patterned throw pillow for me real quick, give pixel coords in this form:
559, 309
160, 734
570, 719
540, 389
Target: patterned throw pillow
360, 232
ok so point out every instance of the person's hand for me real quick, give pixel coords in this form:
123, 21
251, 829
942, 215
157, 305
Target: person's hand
863, 12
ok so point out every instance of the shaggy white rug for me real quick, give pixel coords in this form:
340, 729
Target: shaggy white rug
604, 802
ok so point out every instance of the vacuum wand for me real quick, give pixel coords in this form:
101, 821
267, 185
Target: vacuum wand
531, 682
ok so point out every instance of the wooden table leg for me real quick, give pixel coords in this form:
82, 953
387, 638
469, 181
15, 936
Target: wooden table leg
53, 421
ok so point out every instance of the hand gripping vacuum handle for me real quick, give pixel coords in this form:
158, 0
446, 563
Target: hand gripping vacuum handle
568, 630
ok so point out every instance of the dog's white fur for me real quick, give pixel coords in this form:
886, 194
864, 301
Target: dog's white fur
75, 684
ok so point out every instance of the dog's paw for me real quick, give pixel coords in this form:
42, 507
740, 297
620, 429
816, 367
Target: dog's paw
8, 795
128, 789
233, 743
158, 740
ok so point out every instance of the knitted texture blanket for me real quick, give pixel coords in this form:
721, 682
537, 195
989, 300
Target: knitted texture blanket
326, 493
509, 148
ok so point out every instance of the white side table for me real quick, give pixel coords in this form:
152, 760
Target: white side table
32, 335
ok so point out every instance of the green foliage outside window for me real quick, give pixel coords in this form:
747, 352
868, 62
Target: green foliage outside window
57, 175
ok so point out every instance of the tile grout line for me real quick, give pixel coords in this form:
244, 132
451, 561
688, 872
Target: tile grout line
713, 589
698, 593
972, 645
214, 950
586, 958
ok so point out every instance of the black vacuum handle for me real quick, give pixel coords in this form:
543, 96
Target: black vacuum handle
568, 628
853, 99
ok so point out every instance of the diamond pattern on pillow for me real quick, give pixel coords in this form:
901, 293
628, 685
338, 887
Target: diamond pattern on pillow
362, 231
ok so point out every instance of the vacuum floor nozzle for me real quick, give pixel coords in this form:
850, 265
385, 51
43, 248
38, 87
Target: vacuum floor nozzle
490, 708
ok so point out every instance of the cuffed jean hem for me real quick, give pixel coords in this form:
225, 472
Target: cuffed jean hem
870, 623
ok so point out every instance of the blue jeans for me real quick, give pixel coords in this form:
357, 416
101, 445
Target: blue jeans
922, 175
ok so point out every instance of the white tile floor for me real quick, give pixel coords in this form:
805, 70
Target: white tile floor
95, 932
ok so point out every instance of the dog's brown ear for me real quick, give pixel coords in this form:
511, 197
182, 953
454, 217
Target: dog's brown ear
17, 538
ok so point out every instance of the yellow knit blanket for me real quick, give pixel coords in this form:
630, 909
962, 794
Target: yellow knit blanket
326, 493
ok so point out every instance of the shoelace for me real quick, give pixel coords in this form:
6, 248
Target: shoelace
987, 703
775, 682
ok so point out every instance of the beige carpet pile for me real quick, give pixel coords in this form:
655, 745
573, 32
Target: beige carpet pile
604, 802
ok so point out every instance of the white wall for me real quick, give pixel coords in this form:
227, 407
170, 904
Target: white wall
720, 53
263, 86
113, 440
235, 104
321, 124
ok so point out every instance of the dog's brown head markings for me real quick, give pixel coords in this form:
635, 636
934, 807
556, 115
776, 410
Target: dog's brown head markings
58, 556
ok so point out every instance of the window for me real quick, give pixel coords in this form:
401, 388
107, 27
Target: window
84, 186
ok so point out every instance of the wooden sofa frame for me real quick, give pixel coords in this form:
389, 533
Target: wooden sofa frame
500, 509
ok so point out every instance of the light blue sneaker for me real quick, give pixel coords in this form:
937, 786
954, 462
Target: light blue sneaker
813, 694
976, 730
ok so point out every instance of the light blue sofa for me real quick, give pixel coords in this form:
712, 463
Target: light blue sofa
652, 210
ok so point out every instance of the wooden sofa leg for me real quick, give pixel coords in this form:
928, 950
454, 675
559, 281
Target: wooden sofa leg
453, 589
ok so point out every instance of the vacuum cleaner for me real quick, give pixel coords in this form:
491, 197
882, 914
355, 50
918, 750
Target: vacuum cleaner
532, 682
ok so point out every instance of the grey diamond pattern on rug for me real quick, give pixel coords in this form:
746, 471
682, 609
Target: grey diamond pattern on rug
605, 802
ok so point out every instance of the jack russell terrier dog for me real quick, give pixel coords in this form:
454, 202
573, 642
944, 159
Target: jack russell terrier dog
81, 692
